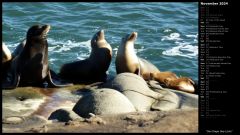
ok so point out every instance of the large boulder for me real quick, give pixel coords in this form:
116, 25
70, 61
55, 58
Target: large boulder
102, 102
186, 100
143, 98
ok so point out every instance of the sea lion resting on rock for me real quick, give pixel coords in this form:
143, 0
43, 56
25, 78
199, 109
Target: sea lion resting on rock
30, 64
92, 69
127, 61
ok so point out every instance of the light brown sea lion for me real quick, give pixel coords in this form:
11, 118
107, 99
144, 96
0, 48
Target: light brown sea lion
6, 60
128, 61
6, 54
171, 80
92, 69
30, 65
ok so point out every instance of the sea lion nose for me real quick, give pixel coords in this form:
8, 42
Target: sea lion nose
189, 88
46, 27
135, 33
101, 34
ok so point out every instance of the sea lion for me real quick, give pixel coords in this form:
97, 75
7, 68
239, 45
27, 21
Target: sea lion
92, 69
128, 61
171, 80
30, 66
19, 48
6, 54
6, 60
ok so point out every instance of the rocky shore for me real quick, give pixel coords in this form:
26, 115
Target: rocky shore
112, 107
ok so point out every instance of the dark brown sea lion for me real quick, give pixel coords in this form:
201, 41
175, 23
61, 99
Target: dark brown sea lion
92, 69
30, 65
128, 61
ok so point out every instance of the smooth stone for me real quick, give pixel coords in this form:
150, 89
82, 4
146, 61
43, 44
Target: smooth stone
186, 100
102, 102
143, 98
13, 120
169, 102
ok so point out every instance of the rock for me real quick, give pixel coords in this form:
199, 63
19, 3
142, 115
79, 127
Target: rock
103, 101
63, 115
23, 123
22, 101
186, 100
95, 119
170, 101
13, 120
143, 98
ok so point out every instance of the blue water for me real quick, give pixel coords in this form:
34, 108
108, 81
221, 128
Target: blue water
167, 32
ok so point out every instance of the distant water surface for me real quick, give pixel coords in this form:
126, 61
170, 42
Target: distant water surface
167, 31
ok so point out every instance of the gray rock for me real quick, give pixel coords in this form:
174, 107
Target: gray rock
23, 123
168, 102
186, 100
143, 98
63, 115
102, 102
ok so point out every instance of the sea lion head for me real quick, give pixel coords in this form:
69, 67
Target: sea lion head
163, 77
37, 39
98, 37
37, 31
130, 37
183, 84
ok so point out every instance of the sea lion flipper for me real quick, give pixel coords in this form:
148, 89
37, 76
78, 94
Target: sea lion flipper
13, 82
54, 81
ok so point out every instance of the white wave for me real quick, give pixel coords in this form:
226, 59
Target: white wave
140, 49
183, 49
82, 56
192, 36
172, 36
60, 46
79, 49
115, 50
167, 30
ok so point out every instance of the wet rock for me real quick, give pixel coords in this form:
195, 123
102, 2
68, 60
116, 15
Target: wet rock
102, 102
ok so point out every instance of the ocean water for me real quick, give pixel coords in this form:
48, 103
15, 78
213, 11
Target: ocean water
167, 31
